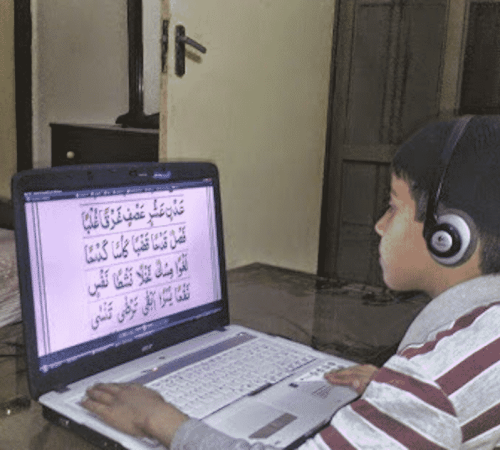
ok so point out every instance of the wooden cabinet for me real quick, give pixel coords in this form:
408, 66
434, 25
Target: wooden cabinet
89, 144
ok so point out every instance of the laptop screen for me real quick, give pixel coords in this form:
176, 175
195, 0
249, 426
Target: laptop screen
110, 266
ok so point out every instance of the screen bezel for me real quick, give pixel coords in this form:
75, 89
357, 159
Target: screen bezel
96, 177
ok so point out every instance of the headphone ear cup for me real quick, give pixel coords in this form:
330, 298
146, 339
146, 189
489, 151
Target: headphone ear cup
453, 239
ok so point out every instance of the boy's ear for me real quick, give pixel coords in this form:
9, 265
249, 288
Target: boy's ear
452, 238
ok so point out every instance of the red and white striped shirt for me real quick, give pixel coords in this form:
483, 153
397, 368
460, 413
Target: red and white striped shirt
441, 392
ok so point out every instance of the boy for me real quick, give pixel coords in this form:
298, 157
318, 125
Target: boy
440, 235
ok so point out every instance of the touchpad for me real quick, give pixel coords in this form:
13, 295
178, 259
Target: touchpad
273, 426
254, 421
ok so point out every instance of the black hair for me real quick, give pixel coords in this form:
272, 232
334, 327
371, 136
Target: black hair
489, 258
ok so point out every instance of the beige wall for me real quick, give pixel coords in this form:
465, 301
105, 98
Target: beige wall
8, 152
80, 66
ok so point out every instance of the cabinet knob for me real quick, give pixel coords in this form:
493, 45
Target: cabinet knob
70, 155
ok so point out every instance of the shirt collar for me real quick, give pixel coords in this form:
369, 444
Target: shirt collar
449, 306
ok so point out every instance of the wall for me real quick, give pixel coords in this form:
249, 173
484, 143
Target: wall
8, 152
80, 66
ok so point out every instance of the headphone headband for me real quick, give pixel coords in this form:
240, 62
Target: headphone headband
446, 154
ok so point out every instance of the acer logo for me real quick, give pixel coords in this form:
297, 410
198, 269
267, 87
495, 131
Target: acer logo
147, 348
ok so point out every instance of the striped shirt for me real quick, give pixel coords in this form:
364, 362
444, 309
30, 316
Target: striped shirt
442, 392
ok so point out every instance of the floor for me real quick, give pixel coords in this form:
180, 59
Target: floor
359, 322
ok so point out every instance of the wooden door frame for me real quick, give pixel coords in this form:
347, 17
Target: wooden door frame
326, 228
23, 80
23, 100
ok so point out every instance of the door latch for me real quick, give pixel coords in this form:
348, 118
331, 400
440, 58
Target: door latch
180, 49
164, 45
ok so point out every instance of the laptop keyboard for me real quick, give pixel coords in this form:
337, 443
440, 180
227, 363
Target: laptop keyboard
204, 387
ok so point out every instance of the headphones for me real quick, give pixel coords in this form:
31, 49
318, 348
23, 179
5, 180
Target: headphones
451, 236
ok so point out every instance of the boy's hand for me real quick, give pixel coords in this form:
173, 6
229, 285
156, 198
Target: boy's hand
135, 410
356, 377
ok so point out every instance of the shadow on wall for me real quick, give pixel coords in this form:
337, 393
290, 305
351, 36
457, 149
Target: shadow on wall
6, 214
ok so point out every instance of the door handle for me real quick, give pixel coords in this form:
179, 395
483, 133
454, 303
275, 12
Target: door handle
180, 49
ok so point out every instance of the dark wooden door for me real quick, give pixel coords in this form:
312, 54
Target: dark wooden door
389, 64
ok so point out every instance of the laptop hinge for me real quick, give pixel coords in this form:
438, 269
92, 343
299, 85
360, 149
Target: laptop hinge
61, 389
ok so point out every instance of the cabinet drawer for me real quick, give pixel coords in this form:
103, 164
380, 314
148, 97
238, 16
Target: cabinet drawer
89, 144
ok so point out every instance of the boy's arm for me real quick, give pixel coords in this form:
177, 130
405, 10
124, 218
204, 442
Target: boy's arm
401, 408
141, 412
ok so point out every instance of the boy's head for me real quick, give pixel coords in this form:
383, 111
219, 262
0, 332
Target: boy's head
470, 190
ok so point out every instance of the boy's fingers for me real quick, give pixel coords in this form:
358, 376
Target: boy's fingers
336, 377
93, 406
100, 395
356, 377
104, 394
344, 375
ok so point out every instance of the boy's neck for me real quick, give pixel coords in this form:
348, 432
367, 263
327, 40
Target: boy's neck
446, 277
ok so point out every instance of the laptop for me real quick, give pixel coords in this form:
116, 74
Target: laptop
122, 279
